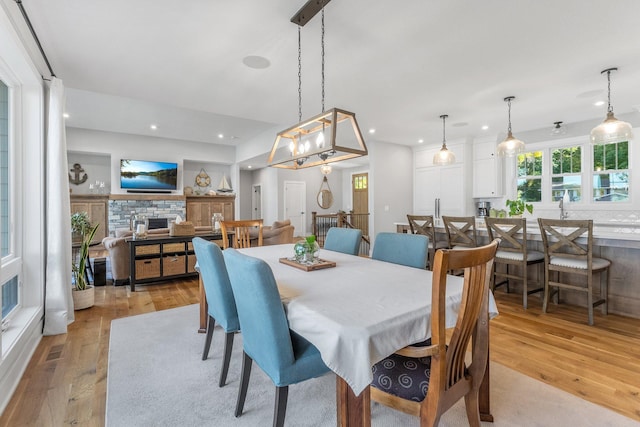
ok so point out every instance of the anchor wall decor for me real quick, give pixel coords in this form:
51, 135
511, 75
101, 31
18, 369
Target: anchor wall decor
77, 179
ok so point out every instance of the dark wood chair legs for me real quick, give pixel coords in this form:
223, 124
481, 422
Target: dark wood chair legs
207, 343
244, 383
228, 347
280, 408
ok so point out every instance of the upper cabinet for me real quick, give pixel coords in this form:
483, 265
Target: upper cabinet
487, 170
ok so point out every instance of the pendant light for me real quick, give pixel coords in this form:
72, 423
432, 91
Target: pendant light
558, 129
331, 136
444, 156
611, 129
511, 146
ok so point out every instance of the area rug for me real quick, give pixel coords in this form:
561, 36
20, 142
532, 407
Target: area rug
156, 378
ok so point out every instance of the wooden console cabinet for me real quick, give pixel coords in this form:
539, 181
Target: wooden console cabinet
96, 206
200, 209
158, 258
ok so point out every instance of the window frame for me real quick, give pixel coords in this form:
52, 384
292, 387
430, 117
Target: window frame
586, 204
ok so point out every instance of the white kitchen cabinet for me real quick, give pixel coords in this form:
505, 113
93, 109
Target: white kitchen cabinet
487, 170
439, 182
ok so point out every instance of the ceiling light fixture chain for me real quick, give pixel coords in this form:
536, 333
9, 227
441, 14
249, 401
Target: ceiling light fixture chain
508, 99
609, 106
322, 50
444, 139
299, 74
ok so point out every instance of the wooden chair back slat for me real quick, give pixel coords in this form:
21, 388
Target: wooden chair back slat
241, 237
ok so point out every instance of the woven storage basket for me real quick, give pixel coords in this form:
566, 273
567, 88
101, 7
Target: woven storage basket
182, 229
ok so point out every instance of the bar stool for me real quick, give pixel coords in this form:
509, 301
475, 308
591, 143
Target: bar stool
461, 231
423, 224
568, 250
513, 251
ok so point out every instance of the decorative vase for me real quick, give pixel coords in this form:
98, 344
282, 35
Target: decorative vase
312, 251
140, 227
84, 298
300, 249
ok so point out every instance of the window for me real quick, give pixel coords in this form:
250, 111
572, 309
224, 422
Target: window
529, 176
9, 277
360, 182
611, 172
566, 173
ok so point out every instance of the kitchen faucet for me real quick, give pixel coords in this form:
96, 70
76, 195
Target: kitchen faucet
563, 214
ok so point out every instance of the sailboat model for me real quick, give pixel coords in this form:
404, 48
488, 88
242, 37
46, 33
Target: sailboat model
224, 186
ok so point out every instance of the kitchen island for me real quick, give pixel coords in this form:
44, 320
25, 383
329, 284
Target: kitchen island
618, 242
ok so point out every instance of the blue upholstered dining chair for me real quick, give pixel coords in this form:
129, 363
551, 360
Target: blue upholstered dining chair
283, 355
401, 248
221, 305
345, 240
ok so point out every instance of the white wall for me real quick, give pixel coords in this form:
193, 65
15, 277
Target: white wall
96, 166
126, 146
390, 185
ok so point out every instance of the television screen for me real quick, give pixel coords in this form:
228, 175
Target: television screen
148, 175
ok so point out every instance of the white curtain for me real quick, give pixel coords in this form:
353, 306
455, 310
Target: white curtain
58, 301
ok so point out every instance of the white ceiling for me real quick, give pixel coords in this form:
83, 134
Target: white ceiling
398, 65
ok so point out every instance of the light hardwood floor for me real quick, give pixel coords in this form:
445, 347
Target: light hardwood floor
65, 382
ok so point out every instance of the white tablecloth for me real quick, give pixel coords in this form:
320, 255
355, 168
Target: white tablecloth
360, 311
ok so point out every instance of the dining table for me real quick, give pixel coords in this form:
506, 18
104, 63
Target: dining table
357, 312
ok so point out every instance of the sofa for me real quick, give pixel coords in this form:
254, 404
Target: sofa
278, 233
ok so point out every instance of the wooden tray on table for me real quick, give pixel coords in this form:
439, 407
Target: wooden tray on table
316, 265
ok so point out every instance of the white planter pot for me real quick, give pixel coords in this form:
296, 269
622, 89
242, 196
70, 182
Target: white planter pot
83, 299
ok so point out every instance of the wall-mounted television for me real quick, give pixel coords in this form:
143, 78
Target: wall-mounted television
146, 175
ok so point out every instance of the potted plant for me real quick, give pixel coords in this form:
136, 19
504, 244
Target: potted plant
83, 293
517, 207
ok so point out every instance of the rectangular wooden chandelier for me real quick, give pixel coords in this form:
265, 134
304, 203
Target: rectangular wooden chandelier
329, 137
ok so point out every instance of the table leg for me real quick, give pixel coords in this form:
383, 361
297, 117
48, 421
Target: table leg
203, 307
353, 411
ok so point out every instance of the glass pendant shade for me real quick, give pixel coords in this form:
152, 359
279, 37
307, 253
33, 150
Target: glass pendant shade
511, 146
444, 156
611, 130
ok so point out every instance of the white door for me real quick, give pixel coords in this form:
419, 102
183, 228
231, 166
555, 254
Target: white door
256, 202
295, 196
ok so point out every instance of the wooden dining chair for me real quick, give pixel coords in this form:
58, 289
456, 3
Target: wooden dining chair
423, 224
513, 251
401, 248
461, 231
568, 248
286, 357
426, 379
241, 237
221, 305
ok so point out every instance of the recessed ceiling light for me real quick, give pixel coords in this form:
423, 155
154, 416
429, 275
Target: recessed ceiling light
65, 115
599, 103
372, 130
249, 167
154, 127
485, 127
257, 62
220, 136
420, 141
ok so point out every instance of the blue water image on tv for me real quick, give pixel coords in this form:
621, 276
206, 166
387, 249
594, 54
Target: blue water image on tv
148, 175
